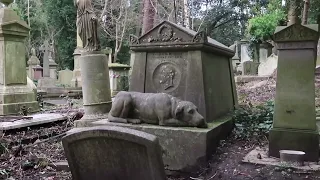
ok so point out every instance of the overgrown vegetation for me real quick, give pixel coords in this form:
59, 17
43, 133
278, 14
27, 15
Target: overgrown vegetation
253, 121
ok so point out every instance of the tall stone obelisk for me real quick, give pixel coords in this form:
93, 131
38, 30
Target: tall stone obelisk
76, 78
15, 93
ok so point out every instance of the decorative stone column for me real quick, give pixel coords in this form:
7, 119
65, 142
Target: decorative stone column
76, 78
52, 67
14, 90
235, 59
108, 51
294, 122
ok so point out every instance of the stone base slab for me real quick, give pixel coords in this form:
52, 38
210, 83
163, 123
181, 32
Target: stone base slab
290, 139
53, 92
185, 149
252, 158
246, 79
36, 120
15, 108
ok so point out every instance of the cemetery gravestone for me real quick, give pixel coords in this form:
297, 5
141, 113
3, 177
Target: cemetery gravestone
14, 91
249, 68
119, 80
294, 126
46, 81
187, 65
65, 77
52, 64
265, 50
113, 153
76, 76
244, 51
33, 63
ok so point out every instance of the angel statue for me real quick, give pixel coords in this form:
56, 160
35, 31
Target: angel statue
87, 24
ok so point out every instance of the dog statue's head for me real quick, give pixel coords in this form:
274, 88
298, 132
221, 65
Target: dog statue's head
188, 113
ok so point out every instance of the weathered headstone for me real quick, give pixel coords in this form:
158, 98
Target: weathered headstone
14, 91
119, 77
46, 81
65, 77
52, 64
294, 122
244, 51
235, 59
265, 50
76, 77
249, 68
113, 153
269, 66
33, 63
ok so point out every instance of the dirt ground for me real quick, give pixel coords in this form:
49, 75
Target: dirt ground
32, 163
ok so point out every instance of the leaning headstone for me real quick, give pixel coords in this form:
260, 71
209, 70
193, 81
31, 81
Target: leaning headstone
269, 66
113, 153
65, 77
294, 122
46, 81
14, 90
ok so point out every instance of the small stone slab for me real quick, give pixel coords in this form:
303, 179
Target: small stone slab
60, 166
246, 79
252, 158
37, 119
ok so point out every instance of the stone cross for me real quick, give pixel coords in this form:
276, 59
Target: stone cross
46, 49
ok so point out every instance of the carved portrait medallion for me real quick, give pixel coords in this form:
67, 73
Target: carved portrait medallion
166, 77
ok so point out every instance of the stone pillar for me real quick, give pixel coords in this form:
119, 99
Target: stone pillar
32, 63
95, 86
265, 50
52, 67
15, 93
76, 78
294, 122
244, 51
108, 51
235, 59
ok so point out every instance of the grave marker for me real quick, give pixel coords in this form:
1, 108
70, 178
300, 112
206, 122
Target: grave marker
113, 153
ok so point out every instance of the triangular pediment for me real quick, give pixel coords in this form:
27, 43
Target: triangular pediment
296, 32
167, 33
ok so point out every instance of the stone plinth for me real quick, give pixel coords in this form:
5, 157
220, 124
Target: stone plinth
185, 64
53, 69
294, 126
46, 82
119, 74
76, 78
95, 85
14, 91
184, 149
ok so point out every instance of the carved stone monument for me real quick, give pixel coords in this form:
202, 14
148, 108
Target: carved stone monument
113, 153
14, 91
34, 65
189, 66
94, 66
52, 64
76, 78
294, 124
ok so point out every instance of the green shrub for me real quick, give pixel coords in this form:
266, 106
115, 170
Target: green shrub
253, 121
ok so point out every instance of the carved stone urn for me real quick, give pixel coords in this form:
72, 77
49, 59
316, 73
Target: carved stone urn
6, 2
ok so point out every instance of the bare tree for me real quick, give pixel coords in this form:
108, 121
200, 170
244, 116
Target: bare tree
149, 13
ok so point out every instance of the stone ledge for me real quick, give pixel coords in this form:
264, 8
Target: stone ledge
37, 120
185, 149
246, 79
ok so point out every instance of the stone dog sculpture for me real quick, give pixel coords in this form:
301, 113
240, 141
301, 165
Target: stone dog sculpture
155, 108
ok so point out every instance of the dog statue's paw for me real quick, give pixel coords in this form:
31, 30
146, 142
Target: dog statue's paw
134, 121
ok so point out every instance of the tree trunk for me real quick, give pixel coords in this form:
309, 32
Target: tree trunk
148, 15
186, 14
305, 11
